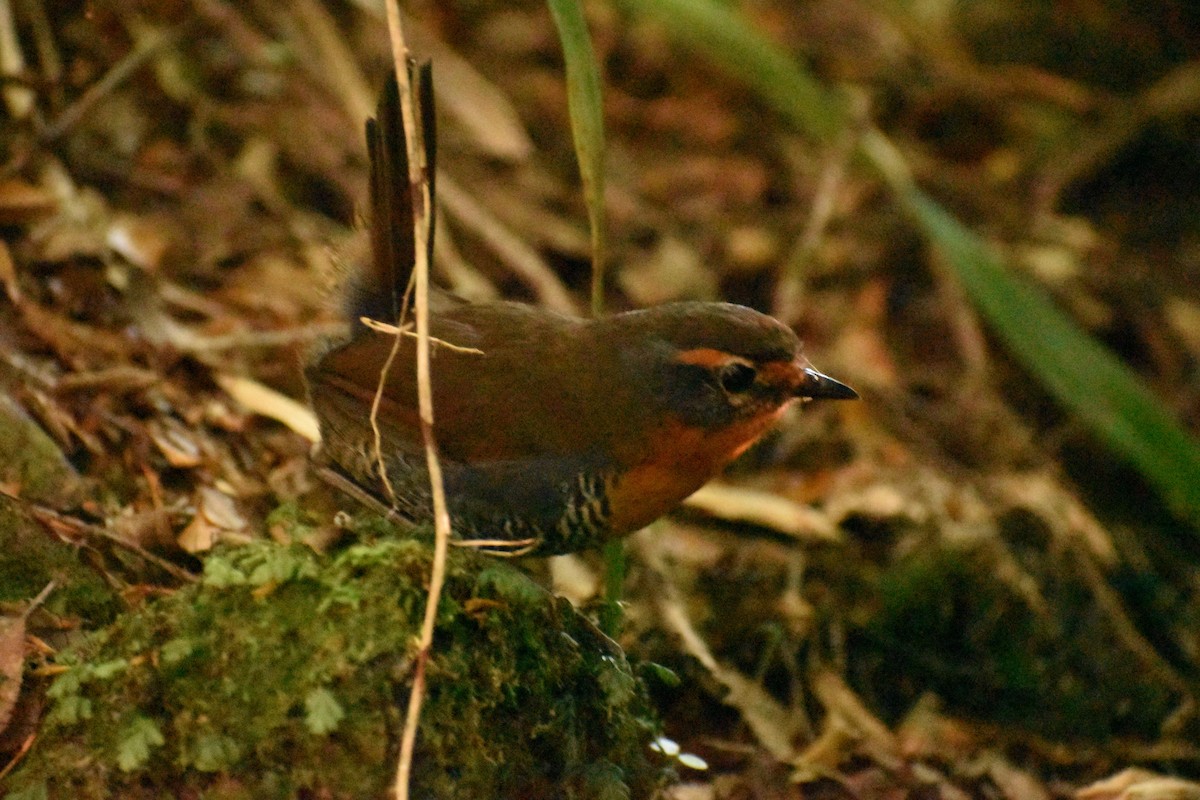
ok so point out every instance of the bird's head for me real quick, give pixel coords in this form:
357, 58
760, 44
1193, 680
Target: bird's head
713, 365
703, 381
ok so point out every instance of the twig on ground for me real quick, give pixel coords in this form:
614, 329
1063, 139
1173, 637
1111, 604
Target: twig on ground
772, 724
57, 521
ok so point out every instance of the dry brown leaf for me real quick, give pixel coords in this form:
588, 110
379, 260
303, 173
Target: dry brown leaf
573, 579
199, 536
691, 791
12, 660
73, 341
117, 379
8, 274
480, 107
925, 733
221, 510
841, 702
1183, 315
1044, 495
142, 241
176, 443
216, 515
1163, 788
1114, 785
78, 229
266, 401
64, 335
1015, 783
22, 203
12, 656
1140, 784
751, 249
674, 270
525, 262
737, 504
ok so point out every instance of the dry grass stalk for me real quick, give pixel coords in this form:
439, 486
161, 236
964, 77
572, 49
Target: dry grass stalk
422, 227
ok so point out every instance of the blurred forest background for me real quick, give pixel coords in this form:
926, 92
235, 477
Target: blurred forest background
979, 581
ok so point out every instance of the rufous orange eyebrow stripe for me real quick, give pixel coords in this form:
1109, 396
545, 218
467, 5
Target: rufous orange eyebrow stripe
708, 357
781, 372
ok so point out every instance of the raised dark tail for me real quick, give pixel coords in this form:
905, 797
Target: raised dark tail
378, 290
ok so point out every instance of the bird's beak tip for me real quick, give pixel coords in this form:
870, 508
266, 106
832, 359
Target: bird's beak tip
817, 386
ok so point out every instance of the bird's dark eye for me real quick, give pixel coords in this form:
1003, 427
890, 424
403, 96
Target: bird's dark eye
736, 378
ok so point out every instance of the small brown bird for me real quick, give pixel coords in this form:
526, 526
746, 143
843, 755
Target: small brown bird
559, 433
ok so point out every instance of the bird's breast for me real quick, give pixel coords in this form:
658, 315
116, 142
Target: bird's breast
678, 460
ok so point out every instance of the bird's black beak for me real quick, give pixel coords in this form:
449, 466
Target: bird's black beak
815, 386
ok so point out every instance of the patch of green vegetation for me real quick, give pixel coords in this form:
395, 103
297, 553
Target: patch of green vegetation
32, 460
284, 672
959, 623
30, 557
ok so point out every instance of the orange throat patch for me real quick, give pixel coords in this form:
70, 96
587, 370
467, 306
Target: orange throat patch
681, 459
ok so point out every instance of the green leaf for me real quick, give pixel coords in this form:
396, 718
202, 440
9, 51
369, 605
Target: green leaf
1099, 388
510, 585
177, 650
279, 566
220, 574
212, 752
618, 685
724, 35
67, 684
137, 738
322, 711
108, 669
660, 674
345, 594
586, 106
35, 791
70, 710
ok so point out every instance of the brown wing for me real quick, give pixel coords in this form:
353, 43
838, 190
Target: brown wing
532, 392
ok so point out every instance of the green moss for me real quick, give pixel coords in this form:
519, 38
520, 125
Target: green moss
300, 524
285, 672
29, 458
948, 625
30, 557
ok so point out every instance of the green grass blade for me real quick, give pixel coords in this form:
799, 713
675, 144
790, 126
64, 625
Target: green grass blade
585, 104
1085, 377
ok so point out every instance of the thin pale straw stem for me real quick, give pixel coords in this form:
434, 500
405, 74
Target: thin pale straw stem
419, 185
